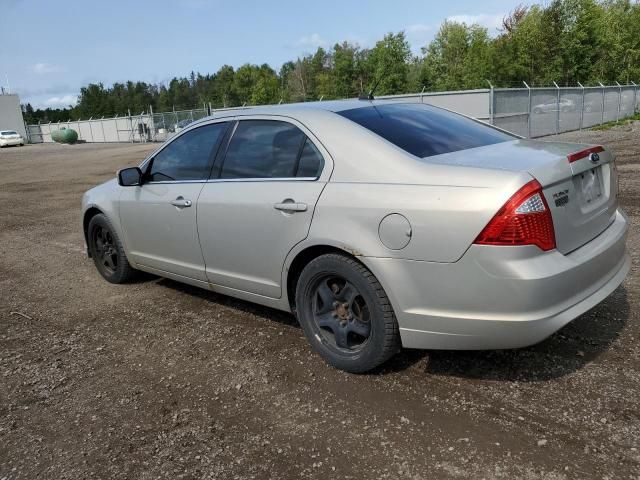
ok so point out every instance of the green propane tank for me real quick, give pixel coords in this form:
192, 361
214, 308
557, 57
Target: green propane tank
64, 135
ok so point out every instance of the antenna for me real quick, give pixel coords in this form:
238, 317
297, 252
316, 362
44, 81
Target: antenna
369, 96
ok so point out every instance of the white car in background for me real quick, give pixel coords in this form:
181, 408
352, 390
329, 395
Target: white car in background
10, 137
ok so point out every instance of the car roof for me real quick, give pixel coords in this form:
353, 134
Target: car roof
301, 109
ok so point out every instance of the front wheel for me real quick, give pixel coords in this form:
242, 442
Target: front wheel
345, 313
107, 252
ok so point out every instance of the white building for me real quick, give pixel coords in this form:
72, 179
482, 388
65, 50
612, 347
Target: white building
11, 114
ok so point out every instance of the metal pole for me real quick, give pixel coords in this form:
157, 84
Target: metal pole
153, 122
90, 129
79, 131
104, 138
490, 101
117, 129
422, 94
529, 111
603, 93
582, 108
131, 132
619, 101
557, 109
635, 97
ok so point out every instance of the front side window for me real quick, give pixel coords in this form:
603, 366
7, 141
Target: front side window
423, 130
270, 149
189, 156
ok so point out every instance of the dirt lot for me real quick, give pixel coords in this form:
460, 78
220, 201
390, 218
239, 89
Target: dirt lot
161, 380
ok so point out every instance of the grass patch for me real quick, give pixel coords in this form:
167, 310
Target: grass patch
624, 121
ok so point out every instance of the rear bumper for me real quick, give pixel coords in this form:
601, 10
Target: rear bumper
501, 297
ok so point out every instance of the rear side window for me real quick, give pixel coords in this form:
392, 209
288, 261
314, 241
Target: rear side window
423, 130
270, 149
310, 160
189, 156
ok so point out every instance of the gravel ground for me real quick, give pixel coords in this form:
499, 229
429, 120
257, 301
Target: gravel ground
160, 380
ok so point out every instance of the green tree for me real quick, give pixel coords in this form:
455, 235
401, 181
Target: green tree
387, 63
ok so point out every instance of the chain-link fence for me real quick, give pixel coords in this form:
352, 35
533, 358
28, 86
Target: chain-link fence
536, 112
529, 112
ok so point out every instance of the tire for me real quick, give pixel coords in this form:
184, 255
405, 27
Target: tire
346, 314
107, 252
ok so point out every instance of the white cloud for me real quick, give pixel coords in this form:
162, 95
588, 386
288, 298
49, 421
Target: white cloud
417, 28
418, 35
44, 68
312, 41
491, 22
61, 101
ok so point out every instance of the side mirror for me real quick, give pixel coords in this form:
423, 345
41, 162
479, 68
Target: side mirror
130, 177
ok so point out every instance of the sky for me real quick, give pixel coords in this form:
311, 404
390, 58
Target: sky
50, 49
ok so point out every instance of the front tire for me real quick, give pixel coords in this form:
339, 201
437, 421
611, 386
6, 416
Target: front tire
107, 252
346, 314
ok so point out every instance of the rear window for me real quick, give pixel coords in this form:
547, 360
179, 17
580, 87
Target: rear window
423, 130
8, 132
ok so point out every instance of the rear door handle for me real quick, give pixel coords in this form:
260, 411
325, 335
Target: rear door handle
181, 202
289, 205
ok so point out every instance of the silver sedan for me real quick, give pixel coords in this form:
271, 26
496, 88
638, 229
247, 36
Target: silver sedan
378, 224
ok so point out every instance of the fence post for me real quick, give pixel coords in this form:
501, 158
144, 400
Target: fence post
152, 123
619, 101
603, 94
104, 138
582, 108
90, 129
422, 93
490, 101
635, 97
131, 132
529, 111
557, 108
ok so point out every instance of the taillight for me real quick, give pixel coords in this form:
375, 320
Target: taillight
575, 156
524, 220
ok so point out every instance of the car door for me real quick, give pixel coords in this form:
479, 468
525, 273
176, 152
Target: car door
259, 204
159, 217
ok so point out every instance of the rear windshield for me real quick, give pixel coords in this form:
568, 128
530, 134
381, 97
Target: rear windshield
423, 130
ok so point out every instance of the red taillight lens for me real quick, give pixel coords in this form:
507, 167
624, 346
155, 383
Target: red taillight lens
572, 157
524, 220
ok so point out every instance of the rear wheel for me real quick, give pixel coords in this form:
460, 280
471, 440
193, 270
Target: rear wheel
107, 252
345, 313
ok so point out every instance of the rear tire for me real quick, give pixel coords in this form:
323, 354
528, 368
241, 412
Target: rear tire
107, 252
346, 314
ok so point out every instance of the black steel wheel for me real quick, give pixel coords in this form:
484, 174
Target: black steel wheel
107, 252
345, 313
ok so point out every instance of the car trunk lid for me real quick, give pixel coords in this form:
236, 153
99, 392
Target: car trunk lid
580, 189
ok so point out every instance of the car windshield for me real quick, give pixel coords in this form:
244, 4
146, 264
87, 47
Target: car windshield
423, 130
8, 132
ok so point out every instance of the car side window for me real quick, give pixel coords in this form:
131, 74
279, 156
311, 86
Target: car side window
268, 149
189, 156
310, 163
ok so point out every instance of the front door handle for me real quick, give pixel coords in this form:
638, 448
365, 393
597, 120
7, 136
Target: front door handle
181, 202
290, 205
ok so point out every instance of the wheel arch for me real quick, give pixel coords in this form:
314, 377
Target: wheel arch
86, 218
304, 256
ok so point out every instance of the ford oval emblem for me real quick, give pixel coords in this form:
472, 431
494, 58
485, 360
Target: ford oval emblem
594, 157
